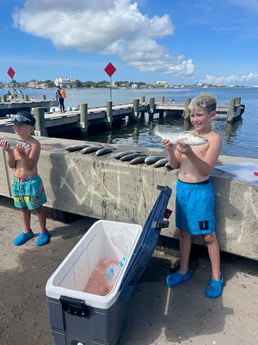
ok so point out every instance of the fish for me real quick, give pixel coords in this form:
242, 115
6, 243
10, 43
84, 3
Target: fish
131, 156
160, 163
119, 155
138, 160
91, 149
188, 137
152, 159
168, 166
104, 151
74, 148
13, 142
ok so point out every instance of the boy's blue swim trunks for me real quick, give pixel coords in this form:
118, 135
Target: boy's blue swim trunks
28, 192
195, 207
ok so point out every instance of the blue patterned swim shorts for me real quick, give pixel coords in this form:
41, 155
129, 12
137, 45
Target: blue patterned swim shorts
28, 192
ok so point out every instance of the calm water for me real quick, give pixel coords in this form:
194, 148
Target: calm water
239, 139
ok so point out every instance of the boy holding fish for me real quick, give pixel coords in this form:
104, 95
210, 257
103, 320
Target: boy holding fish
27, 187
195, 200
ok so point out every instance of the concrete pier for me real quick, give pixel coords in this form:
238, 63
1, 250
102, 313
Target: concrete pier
103, 187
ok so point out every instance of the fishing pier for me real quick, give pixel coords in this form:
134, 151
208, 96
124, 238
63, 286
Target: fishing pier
49, 120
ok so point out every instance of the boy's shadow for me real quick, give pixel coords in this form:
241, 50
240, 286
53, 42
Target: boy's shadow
157, 312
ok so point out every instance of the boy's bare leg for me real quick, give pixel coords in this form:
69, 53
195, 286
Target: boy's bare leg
214, 255
26, 217
41, 214
185, 248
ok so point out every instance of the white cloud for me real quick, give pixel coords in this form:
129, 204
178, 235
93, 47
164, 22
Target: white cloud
231, 79
114, 27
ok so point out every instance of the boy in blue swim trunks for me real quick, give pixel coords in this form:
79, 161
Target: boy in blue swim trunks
27, 187
195, 201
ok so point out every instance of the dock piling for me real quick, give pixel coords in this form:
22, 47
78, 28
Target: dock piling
40, 129
151, 108
84, 117
186, 110
109, 114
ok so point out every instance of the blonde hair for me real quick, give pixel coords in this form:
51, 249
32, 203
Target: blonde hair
205, 101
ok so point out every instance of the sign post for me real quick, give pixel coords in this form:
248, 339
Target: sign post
110, 70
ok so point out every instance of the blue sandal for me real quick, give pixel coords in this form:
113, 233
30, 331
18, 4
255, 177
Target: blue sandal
23, 238
177, 278
43, 238
215, 287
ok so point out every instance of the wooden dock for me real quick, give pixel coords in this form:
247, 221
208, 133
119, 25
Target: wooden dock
47, 123
15, 105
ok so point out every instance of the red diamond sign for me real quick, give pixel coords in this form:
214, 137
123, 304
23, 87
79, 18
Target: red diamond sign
11, 72
110, 69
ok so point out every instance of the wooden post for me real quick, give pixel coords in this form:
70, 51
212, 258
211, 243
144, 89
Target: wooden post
136, 103
142, 100
151, 108
84, 117
162, 100
109, 114
39, 114
231, 108
186, 110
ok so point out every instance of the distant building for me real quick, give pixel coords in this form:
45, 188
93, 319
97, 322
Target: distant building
161, 83
35, 84
64, 82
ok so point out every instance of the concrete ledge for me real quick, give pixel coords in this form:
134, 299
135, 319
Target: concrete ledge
105, 188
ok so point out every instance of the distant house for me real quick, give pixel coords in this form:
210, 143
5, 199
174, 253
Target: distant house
35, 84
64, 82
161, 83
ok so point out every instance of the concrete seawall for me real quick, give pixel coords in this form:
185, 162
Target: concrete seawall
105, 188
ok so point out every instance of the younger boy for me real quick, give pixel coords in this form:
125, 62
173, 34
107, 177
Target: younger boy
27, 187
195, 201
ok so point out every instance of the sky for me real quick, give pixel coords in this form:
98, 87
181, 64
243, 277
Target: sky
177, 41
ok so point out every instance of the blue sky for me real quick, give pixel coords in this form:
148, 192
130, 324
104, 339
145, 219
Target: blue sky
178, 41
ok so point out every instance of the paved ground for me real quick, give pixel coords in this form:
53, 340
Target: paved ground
156, 315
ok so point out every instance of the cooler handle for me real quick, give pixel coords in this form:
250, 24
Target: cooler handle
74, 306
160, 224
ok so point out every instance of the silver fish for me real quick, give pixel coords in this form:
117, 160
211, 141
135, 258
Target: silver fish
188, 137
104, 151
119, 155
152, 159
131, 156
74, 148
168, 166
91, 149
160, 163
138, 160
13, 142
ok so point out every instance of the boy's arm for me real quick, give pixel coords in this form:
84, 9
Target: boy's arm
173, 155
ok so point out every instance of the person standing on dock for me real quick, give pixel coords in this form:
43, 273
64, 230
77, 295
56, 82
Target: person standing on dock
61, 95
195, 200
27, 187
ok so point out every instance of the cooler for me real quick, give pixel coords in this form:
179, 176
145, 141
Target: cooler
88, 293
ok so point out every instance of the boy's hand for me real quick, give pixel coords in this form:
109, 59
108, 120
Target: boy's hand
183, 148
4, 144
20, 149
167, 144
